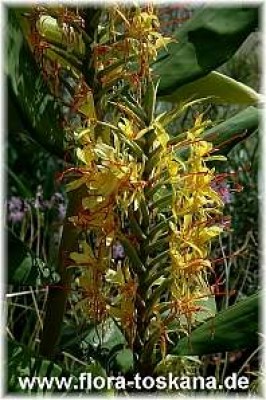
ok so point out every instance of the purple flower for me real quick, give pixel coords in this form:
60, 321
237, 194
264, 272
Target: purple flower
61, 212
16, 209
15, 203
118, 251
57, 198
223, 189
58, 202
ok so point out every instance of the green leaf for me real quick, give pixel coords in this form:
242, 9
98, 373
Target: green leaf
36, 103
135, 227
157, 274
124, 361
22, 362
220, 88
224, 136
21, 267
155, 295
159, 259
71, 336
150, 100
49, 28
106, 336
206, 41
131, 253
232, 329
20, 184
208, 309
235, 129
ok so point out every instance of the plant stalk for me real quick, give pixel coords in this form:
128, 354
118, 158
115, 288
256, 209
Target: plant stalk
58, 294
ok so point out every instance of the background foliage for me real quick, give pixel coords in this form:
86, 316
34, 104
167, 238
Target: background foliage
36, 202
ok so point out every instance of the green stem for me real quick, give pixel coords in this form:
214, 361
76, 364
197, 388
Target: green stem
57, 296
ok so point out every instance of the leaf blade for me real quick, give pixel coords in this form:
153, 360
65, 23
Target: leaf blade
232, 329
206, 41
20, 262
32, 94
219, 87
